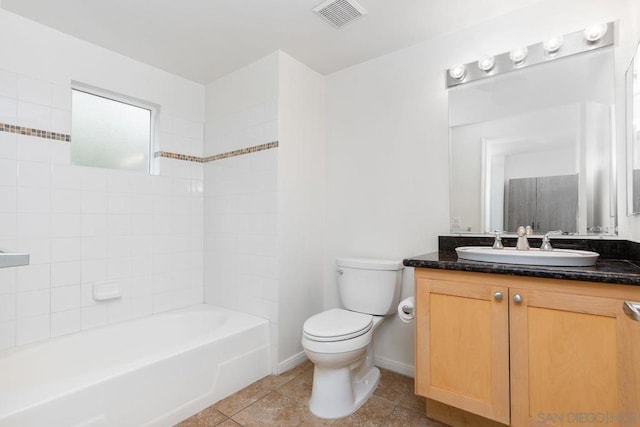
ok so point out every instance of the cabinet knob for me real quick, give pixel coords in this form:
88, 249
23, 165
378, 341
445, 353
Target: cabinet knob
517, 298
497, 296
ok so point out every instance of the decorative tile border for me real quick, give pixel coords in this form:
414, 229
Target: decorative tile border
21, 130
242, 151
220, 156
177, 156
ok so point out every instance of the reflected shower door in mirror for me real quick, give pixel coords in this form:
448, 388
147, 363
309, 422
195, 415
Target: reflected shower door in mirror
534, 147
632, 78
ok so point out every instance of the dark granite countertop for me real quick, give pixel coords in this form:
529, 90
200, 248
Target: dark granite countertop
618, 262
606, 270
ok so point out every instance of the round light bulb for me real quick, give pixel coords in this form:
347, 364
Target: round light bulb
486, 63
595, 32
518, 55
457, 72
552, 45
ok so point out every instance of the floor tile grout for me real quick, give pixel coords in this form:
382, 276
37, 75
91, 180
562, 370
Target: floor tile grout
271, 402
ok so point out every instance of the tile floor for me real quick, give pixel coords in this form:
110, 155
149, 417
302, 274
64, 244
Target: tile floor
282, 401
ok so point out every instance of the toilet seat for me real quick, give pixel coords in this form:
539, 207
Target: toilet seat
337, 325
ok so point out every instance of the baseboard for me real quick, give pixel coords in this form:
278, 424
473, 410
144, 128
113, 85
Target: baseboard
291, 362
392, 365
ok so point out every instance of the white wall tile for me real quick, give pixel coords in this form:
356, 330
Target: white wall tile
94, 248
8, 278
94, 270
8, 145
66, 273
94, 202
8, 226
8, 197
65, 249
34, 115
7, 334
34, 149
65, 298
66, 201
7, 307
60, 121
34, 174
33, 226
61, 96
34, 200
119, 311
94, 225
8, 84
93, 316
61, 153
34, 90
65, 322
33, 329
33, 303
34, 277
8, 110
66, 225
66, 177
8, 172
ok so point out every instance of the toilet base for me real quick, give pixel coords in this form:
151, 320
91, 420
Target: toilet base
340, 392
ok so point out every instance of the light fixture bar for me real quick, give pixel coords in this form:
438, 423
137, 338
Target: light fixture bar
570, 44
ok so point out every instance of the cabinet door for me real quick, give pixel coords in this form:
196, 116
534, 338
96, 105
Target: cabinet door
462, 348
574, 361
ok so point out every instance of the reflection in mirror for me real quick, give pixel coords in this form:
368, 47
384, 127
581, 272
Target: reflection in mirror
632, 78
534, 147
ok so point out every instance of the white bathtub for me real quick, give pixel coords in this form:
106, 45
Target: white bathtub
153, 371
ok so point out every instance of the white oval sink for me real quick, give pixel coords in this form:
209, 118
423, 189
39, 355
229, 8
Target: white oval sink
534, 256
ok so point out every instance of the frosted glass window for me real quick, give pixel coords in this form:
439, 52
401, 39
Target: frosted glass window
109, 134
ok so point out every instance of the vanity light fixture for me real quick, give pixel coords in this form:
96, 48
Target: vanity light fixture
518, 55
553, 44
458, 72
593, 33
592, 38
486, 63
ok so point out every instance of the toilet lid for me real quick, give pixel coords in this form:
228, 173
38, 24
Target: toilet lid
336, 325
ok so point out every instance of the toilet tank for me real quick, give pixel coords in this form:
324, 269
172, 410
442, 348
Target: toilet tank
370, 286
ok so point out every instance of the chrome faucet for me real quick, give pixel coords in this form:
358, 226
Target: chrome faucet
497, 244
546, 244
523, 243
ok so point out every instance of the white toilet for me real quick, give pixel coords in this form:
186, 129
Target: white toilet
339, 341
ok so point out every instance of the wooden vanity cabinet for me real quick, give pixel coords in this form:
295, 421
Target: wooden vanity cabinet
525, 351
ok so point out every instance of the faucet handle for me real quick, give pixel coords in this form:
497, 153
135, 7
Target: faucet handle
546, 243
497, 244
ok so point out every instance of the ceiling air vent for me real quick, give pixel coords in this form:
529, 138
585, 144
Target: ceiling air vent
339, 12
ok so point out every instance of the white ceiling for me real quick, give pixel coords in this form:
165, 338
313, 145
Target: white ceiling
202, 40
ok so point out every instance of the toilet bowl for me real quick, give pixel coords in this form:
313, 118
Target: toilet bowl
344, 376
339, 341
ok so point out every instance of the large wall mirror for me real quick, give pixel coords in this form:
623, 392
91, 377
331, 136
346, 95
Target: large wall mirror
633, 134
534, 147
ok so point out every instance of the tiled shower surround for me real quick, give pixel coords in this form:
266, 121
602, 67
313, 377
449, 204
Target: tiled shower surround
85, 225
